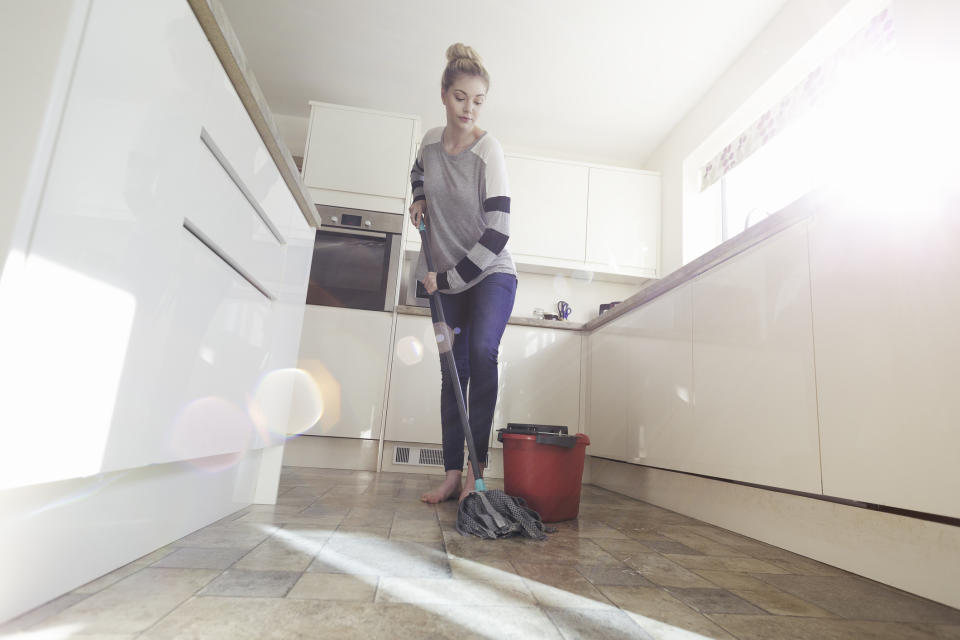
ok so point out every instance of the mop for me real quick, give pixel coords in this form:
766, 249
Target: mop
486, 513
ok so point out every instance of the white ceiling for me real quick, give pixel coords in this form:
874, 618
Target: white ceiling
601, 81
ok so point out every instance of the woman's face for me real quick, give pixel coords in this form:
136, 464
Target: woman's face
463, 101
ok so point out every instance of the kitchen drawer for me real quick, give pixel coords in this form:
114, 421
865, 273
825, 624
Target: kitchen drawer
194, 360
223, 213
227, 122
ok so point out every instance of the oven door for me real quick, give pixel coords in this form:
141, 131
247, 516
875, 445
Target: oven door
354, 269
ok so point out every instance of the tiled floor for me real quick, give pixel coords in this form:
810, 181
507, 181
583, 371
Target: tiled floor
356, 555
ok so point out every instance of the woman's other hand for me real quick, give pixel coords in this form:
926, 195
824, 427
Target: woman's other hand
417, 210
430, 282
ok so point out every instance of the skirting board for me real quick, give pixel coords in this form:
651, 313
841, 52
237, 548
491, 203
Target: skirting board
914, 555
331, 453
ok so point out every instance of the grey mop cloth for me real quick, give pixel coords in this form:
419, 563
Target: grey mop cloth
493, 514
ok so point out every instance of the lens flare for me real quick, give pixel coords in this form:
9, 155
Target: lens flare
409, 350
286, 402
316, 405
211, 433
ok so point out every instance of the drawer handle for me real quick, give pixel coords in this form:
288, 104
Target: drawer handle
220, 253
235, 177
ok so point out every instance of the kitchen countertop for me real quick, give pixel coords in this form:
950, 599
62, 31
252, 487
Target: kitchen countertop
213, 20
517, 320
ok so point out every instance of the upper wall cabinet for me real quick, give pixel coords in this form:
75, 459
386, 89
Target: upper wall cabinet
623, 221
359, 158
548, 204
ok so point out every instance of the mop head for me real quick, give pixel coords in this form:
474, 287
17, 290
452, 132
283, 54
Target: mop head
493, 514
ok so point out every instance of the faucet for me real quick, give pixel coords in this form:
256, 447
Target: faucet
746, 222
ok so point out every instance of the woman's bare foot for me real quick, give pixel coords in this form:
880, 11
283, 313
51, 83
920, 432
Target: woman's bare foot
447, 490
470, 486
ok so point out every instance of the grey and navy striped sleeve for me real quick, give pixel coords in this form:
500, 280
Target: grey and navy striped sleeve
416, 176
495, 194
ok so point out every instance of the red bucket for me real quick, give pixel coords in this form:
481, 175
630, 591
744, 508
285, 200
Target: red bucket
544, 466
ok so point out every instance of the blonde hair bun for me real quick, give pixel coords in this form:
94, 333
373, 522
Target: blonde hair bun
459, 50
462, 59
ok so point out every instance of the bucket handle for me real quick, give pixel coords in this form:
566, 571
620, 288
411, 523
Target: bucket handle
567, 442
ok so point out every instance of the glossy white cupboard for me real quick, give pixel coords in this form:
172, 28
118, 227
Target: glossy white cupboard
623, 221
548, 203
885, 309
150, 302
754, 390
574, 217
346, 352
162, 294
359, 158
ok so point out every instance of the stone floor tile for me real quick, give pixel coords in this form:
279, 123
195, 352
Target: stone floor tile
663, 616
200, 558
858, 598
384, 558
622, 549
134, 603
782, 604
487, 571
454, 592
243, 583
41, 613
664, 572
278, 555
671, 546
114, 576
788, 628
947, 632
577, 594
224, 618
153, 556
234, 536
718, 563
335, 586
733, 580
621, 576
714, 601
806, 567
588, 624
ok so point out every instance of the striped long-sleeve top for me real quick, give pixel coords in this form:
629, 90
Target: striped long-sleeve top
468, 210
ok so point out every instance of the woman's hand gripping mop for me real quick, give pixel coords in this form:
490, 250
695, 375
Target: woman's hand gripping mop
484, 513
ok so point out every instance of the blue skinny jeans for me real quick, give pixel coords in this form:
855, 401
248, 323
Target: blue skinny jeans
477, 318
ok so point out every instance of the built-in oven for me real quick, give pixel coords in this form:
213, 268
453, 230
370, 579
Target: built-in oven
356, 258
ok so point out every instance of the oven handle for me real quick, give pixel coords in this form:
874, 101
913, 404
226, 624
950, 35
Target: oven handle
355, 232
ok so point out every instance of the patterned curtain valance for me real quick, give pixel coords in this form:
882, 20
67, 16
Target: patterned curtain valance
875, 38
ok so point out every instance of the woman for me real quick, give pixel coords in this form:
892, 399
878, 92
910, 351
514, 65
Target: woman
460, 183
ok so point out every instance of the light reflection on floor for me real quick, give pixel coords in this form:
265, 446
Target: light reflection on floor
357, 555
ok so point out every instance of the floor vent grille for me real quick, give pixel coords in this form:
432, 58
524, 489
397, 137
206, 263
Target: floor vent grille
432, 457
418, 456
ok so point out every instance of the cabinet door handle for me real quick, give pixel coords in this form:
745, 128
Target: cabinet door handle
235, 177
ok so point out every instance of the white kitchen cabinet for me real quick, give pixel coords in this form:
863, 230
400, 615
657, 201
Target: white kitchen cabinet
623, 221
755, 403
346, 352
539, 378
154, 339
885, 309
359, 158
413, 405
548, 209
659, 415
608, 391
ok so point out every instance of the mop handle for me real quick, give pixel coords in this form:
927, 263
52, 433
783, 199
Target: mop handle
452, 367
